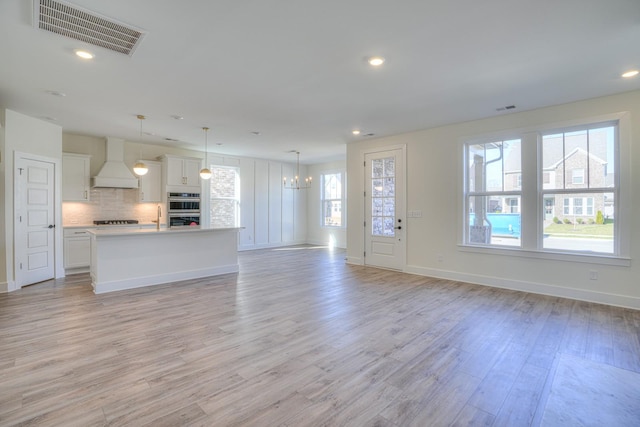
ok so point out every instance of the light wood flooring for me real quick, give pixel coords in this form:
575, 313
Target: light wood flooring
299, 338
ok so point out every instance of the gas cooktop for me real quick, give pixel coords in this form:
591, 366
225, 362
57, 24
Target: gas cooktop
115, 221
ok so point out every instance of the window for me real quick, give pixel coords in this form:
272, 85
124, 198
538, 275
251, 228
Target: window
577, 176
332, 201
225, 196
493, 193
584, 164
571, 191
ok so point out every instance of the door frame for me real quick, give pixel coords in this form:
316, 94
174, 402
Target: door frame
403, 193
18, 157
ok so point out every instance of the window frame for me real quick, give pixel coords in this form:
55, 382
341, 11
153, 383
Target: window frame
533, 191
342, 200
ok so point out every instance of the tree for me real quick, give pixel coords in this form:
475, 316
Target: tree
599, 218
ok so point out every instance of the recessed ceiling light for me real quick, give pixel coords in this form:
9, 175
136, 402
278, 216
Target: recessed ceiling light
375, 61
355, 132
630, 73
84, 54
177, 117
255, 132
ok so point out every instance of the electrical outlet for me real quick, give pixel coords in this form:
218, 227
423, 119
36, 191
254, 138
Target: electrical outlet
593, 275
417, 214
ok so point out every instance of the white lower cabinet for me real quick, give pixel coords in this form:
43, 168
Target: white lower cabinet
77, 250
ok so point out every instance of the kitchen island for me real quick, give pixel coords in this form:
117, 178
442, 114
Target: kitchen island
132, 258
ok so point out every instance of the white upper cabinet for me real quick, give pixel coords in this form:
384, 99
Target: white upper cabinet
182, 173
76, 170
151, 183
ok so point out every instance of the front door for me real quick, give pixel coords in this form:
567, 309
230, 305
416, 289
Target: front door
34, 238
385, 225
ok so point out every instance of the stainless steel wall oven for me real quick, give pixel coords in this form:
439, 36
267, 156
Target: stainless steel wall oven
183, 209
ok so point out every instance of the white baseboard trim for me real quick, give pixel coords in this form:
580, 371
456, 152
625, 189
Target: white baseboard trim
356, 261
6, 287
270, 245
536, 288
139, 282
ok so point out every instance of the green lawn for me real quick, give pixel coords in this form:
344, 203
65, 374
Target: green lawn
581, 230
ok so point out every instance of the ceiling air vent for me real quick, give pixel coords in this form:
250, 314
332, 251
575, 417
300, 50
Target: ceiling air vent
89, 27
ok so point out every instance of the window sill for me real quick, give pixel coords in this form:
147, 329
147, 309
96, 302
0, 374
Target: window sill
549, 255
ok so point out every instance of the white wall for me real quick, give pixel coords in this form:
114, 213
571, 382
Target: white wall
434, 187
25, 134
316, 233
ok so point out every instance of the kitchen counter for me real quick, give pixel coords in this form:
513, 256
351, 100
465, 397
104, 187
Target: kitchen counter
122, 231
127, 258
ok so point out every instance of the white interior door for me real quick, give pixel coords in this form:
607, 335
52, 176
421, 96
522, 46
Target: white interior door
385, 225
35, 224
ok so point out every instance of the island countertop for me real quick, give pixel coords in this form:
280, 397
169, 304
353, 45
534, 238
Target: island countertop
120, 231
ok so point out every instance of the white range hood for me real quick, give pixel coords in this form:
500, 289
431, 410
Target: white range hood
114, 173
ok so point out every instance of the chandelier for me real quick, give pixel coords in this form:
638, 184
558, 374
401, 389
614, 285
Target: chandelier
296, 183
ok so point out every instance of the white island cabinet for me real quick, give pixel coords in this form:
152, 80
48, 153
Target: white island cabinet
127, 259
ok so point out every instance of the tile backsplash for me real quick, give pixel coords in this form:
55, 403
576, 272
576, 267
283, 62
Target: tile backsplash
109, 203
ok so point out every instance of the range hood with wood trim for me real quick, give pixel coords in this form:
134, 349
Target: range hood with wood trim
114, 173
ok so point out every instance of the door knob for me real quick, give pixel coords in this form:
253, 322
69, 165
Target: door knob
51, 226
398, 228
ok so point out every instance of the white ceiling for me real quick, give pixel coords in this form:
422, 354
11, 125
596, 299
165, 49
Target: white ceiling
296, 72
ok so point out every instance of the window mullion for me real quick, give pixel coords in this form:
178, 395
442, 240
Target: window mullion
531, 208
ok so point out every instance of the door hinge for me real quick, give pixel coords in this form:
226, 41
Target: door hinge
365, 193
20, 169
365, 254
20, 266
364, 164
365, 223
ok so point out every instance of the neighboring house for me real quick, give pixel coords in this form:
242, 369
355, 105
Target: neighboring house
579, 166
581, 170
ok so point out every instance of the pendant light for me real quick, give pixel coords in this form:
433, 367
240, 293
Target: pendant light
140, 168
296, 183
205, 173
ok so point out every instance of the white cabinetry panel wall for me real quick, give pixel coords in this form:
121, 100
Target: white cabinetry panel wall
275, 202
271, 216
76, 171
261, 213
288, 208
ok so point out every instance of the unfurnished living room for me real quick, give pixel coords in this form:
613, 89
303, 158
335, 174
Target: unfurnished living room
360, 213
